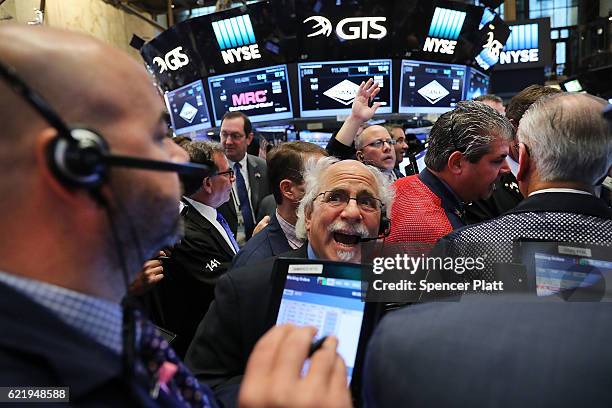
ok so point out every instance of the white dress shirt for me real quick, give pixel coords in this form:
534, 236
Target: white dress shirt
210, 214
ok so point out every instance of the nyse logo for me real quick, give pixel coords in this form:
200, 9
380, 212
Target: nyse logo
439, 45
353, 28
522, 45
246, 98
172, 61
236, 39
444, 31
516, 56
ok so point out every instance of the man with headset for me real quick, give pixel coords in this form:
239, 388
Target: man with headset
344, 204
73, 222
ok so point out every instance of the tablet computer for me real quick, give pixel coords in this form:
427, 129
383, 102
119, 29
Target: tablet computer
581, 272
329, 296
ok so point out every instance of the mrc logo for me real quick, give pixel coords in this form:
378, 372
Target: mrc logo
444, 31
236, 39
246, 98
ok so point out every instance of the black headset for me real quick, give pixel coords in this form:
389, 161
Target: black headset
384, 226
79, 157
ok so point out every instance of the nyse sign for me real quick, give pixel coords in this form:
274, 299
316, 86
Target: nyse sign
353, 28
519, 56
439, 45
236, 39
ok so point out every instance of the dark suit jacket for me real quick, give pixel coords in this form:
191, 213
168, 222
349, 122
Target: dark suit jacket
505, 197
235, 321
267, 206
492, 351
270, 241
194, 267
258, 181
563, 217
38, 349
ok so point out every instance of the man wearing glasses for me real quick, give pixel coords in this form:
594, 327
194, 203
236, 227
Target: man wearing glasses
205, 252
376, 147
342, 205
251, 176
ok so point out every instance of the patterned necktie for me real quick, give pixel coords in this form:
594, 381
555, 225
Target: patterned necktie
243, 196
227, 229
167, 372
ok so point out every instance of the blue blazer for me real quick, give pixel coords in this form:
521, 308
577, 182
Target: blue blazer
270, 241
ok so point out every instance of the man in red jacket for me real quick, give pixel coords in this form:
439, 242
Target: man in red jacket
466, 155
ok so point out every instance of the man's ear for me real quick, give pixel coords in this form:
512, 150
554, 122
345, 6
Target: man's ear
286, 189
207, 185
454, 163
308, 216
524, 164
68, 194
359, 155
249, 138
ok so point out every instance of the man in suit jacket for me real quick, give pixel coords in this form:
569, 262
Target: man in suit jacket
204, 253
507, 354
401, 147
506, 194
61, 289
285, 171
251, 176
333, 226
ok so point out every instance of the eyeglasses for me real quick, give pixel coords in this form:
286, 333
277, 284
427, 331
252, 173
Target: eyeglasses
377, 144
340, 199
230, 172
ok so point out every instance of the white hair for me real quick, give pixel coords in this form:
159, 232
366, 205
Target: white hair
568, 138
313, 175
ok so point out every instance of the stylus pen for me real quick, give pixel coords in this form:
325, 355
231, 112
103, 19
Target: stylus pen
316, 345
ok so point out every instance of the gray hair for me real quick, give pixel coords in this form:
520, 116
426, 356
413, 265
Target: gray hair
470, 128
201, 153
568, 138
313, 175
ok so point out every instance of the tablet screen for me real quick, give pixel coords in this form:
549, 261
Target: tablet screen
332, 305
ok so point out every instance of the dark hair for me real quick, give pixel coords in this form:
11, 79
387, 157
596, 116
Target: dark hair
286, 161
182, 140
248, 127
520, 102
469, 128
201, 153
489, 97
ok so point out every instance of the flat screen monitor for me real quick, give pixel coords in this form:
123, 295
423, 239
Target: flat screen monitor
188, 109
261, 94
573, 85
329, 88
476, 84
430, 87
319, 138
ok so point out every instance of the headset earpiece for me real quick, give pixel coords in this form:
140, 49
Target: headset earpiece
77, 160
384, 226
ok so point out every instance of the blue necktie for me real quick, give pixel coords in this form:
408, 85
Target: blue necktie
227, 229
245, 206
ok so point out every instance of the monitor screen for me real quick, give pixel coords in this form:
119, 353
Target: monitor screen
188, 109
319, 138
572, 86
333, 305
476, 84
329, 88
430, 87
261, 94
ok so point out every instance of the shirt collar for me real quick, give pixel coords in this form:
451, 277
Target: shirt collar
440, 188
311, 254
95, 317
289, 231
560, 190
206, 211
243, 162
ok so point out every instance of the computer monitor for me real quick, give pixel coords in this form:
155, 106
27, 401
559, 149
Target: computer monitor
430, 87
188, 109
319, 138
329, 88
261, 94
476, 84
573, 85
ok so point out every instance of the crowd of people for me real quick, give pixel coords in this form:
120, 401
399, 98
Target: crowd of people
196, 253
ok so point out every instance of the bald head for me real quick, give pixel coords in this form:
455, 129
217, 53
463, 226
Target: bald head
374, 147
71, 72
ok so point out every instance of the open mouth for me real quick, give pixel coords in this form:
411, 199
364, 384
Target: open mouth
346, 239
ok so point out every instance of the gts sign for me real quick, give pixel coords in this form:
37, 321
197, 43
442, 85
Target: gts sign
352, 28
172, 61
